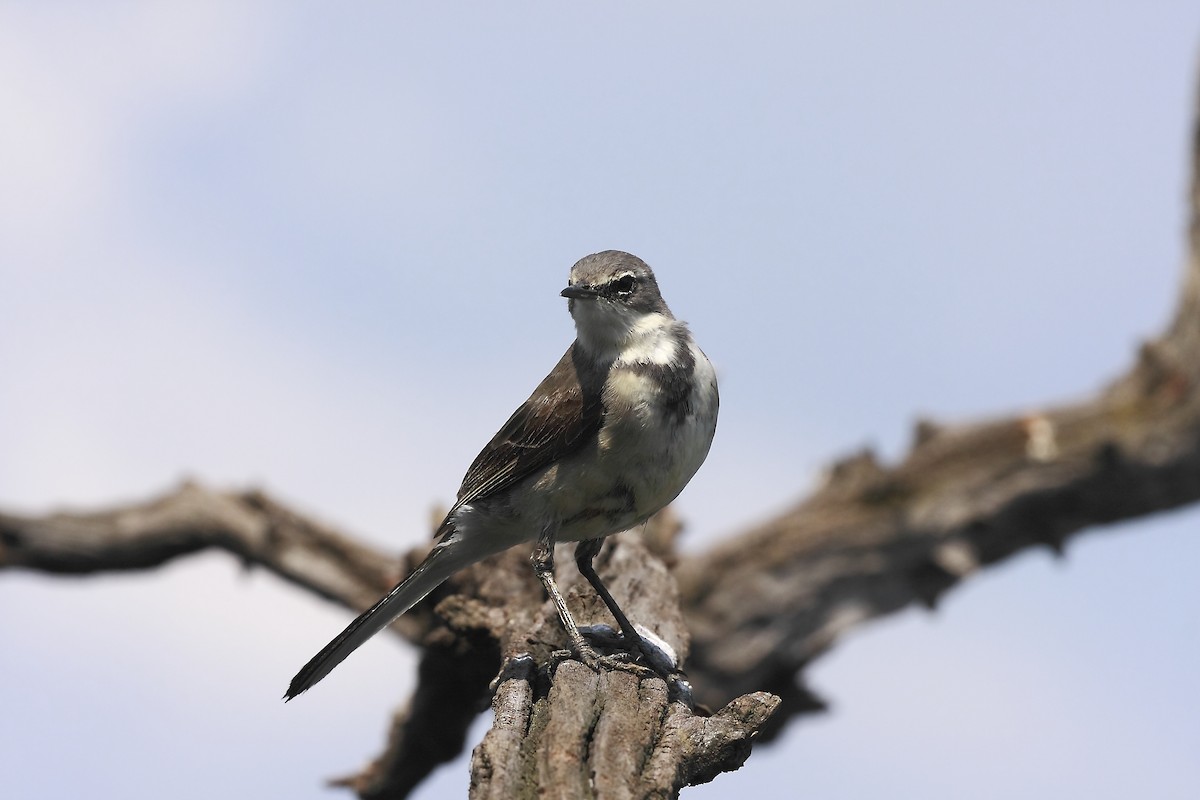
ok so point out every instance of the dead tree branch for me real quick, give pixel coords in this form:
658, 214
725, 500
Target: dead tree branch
874, 539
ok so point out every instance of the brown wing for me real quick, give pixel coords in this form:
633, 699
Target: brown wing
564, 411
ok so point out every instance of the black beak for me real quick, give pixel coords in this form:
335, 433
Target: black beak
580, 292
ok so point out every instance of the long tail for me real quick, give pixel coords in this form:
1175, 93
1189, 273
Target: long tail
446, 559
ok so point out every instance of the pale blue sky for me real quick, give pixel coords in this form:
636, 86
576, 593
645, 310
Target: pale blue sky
320, 250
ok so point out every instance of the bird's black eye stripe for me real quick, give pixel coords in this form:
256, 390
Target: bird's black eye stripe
622, 285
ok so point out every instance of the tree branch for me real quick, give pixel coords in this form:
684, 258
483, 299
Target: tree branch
257, 529
873, 539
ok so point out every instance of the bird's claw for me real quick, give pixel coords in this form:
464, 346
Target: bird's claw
660, 659
655, 651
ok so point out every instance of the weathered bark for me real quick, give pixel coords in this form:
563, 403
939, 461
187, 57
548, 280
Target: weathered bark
607, 734
757, 608
569, 732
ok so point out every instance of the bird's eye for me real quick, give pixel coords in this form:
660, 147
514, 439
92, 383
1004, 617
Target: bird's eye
623, 285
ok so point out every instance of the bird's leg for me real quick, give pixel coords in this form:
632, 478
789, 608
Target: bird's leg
585, 552
657, 654
543, 566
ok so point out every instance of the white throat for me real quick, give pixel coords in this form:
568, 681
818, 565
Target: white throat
617, 333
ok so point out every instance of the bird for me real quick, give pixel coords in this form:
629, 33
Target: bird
611, 436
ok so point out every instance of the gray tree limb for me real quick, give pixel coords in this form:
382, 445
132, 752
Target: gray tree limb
873, 539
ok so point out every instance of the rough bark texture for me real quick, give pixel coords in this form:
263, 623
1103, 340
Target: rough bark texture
757, 608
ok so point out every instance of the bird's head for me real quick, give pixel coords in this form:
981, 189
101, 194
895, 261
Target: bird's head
614, 297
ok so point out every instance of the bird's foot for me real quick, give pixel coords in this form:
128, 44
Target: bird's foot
652, 649
658, 658
599, 662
